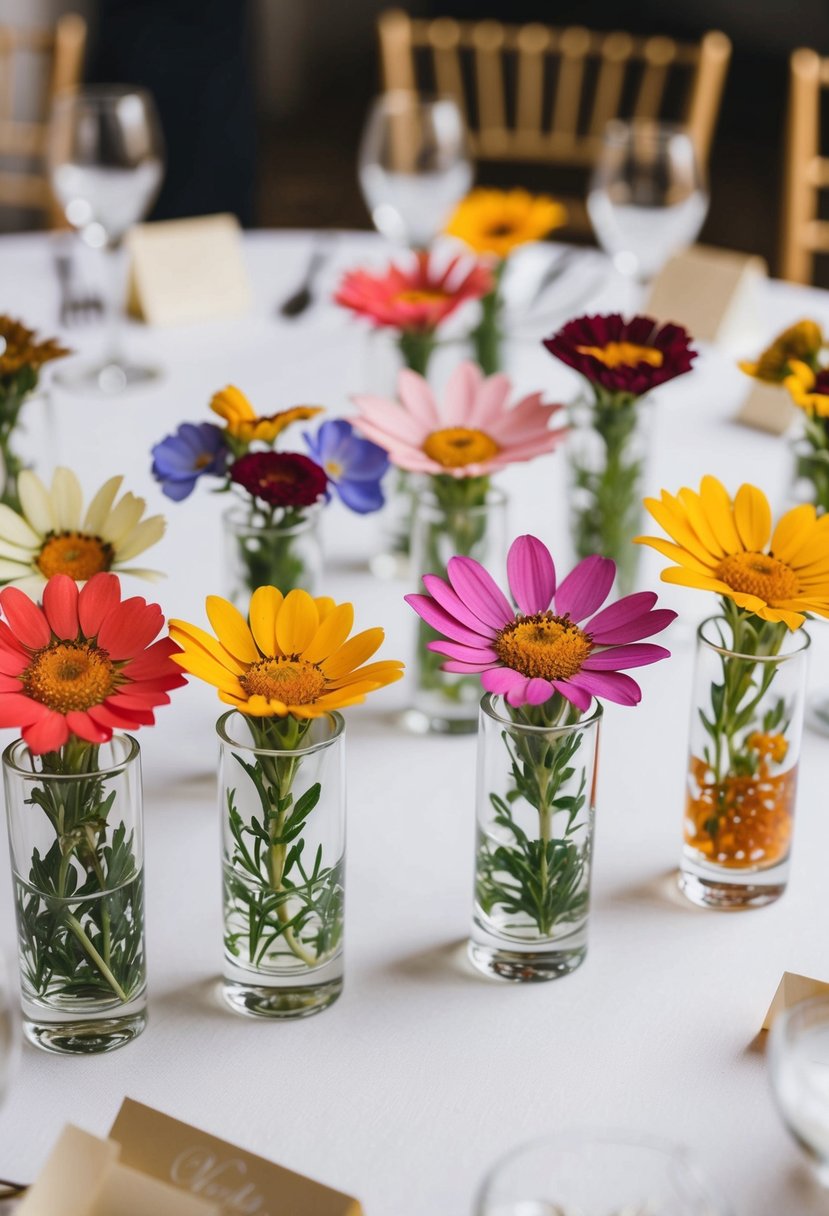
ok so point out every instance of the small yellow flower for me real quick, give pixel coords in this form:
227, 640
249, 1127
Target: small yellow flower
242, 421
801, 341
498, 221
773, 746
808, 391
292, 656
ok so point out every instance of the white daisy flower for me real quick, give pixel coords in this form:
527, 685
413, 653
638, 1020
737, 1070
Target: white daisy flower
51, 535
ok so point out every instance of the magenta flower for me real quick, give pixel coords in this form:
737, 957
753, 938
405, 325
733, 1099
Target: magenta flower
560, 640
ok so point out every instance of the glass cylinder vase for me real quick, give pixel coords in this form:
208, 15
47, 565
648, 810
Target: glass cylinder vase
810, 484
259, 552
607, 447
745, 737
535, 805
282, 802
445, 703
77, 853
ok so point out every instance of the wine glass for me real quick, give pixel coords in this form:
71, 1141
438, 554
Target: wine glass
106, 162
414, 165
9, 1027
647, 198
799, 1069
598, 1174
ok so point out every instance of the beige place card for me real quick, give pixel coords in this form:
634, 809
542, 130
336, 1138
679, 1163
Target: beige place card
182, 271
83, 1177
714, 293
791, 990
767, 407
208, 1168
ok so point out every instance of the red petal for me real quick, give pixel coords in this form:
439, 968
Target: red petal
82, 725
16, 709
154, 661
27, 622
96, 600
60, 604
129, 719
130, 628
125, 700
48, 735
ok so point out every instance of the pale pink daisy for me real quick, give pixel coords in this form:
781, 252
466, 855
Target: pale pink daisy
471, 432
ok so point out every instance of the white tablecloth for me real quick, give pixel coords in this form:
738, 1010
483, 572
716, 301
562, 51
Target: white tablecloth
423, 1073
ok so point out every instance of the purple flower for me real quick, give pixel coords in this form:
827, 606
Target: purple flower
561, 640
354, 466
181, 459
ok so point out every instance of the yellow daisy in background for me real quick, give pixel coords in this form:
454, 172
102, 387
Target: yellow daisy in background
809, 391
53, 535
802, 341
728, 547
242, 421
292, 656
498, 221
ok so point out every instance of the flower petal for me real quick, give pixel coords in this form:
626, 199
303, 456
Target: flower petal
752, 515
615, 658
297, 622
130, 628
60, 604
477, 588
35, 502
449, 600
355, 651
47, 734
67, 500
331, 634
628, 608
101, 505
140, 538
609, 685
443, 622
96, 601
539, 691
25, 619
585, 588
264, 608
531, 574
82, 725
231, 629
15, 529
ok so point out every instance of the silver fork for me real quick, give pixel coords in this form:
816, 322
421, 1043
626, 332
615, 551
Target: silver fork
78, 305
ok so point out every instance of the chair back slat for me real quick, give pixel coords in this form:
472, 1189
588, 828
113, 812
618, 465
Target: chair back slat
532, 42
615, 55
800, 236
573, 45
658, 55
444, 36
487, 39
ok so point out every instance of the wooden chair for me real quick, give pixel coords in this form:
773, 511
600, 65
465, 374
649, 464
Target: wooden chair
58, 55
806, 172
540, 94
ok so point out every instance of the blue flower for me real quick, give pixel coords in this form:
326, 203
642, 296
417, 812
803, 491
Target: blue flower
354, 465
181, 459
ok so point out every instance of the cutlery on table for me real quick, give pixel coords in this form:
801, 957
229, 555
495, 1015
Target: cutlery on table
78, 305
303, 297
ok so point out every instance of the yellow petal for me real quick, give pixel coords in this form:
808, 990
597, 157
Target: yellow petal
67, 500
670, 514
331, 634
668, 549
386, 671
141, 538
699, 521
752, 515
793, 529
185, 632
717, 506
361, 647
200, 664
98, 510
36, 502
701, 582
297, 622
264, 607
231, 629
324, 604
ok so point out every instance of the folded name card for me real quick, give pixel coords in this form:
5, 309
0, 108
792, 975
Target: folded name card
187, 270
791, 990
714, 293
767, 407
210, 1169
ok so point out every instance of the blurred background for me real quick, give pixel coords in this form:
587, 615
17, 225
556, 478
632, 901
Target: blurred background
262, 101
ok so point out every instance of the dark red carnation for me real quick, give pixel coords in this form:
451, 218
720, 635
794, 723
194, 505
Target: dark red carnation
634, 378
281, 479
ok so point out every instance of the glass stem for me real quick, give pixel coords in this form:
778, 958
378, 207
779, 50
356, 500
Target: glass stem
113, 303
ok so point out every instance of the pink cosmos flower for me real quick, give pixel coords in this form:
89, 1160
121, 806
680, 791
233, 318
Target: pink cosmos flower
471, 433
414, 300
561, 640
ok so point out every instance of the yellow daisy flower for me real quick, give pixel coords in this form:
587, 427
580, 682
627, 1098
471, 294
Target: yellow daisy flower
722, 545
801, 341
498, 221
808, 391
242, 421
292, 656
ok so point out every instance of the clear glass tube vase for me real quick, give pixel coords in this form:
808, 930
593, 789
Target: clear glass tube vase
745, 737
259, 553
445, 703
282, 803
77, 854
535, 807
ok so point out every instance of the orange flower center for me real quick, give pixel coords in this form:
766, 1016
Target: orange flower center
501, 229
70, 676
759, 574
623, 354
74, 554
543, 646
456, 446
291, 681
421, 297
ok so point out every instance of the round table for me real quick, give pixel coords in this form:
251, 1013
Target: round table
423, 1073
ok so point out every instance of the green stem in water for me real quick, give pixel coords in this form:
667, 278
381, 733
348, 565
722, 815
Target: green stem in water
487, 336
78, 930
416, 348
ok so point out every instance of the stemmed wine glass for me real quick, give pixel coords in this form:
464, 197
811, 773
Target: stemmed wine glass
647, 198
414, 165
799, 1070
106, 163
9, 1051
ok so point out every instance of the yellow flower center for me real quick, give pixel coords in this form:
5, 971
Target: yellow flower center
421, 297
74, 554
501, 229
544, 646
623, 354
291, 681
456, 446
759, 574
334, 469
70, 676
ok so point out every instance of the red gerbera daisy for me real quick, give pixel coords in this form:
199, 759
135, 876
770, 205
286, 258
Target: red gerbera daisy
623, 357
85, 663
281, 479
418, 299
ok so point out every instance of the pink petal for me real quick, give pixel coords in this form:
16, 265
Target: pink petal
644, 626
60, 604
478, 589
467, 654
442, 621
585, 588
531, 574
490, 402
82, 725
539, 691
628, 608
501, 679
454, 605
517, 695
388, 417
97, 599
576, 696
610, 685
459, 395
413, 390
466, 669
617, 657
47, 735
26, 621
